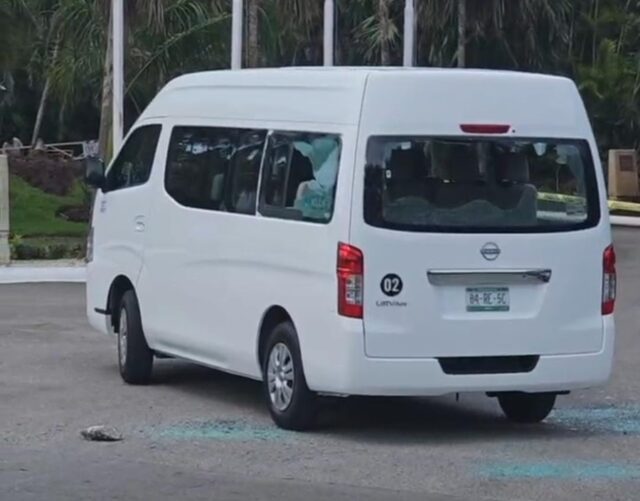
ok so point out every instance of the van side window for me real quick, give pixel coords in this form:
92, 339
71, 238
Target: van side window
245, 171
300, 174
133, 165
198, 165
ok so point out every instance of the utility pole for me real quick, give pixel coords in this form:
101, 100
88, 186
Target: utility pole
329, 31
236, 34
409, 33
118, 73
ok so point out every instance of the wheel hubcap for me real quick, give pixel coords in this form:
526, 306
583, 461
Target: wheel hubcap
122, 337
280, 376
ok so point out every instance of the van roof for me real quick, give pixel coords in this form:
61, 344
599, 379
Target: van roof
320, 76
310, 94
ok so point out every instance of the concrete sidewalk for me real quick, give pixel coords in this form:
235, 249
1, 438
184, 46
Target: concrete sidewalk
63, 270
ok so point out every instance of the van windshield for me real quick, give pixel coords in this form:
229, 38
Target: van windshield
486, 185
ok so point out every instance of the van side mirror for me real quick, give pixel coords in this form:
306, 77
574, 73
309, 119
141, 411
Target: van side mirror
94, 172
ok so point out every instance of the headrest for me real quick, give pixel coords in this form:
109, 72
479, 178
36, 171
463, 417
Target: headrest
461, 165
406, 164
514, 168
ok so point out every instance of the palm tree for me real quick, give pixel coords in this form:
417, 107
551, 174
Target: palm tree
62, 49
294, 38
253, 35
45, 24
377, 32
44, 96
13, 14
502, 33
154, 31
13, 35
385, 24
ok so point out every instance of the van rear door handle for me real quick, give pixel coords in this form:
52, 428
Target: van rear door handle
139, 224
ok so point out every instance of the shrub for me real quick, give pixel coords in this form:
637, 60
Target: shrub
51, 175
31, 251
75, 213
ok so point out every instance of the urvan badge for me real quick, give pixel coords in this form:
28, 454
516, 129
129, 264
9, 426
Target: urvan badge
490, 251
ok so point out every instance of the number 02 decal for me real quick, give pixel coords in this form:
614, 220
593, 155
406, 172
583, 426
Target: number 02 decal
391, 285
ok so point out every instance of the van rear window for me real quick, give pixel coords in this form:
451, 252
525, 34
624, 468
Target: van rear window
488, 185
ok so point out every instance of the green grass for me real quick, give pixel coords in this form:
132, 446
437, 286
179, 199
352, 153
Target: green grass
33, 212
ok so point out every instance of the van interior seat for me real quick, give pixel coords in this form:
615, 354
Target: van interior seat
462, 182
217, 187
511, 192
300, 175
514, 191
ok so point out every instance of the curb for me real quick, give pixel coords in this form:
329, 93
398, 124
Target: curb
43, 272
626, 221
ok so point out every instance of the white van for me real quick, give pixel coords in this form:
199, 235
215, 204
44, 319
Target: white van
360, 232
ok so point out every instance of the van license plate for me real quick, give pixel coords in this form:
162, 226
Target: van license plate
482, 299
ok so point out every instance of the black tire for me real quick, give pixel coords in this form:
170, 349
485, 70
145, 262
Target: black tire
300, 413
527, 408
136, 362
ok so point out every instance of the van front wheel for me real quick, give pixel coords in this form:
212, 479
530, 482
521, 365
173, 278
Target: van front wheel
291, 404
527, 407
135, 359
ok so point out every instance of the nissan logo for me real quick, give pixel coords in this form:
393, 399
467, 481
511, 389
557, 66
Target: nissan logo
490, 251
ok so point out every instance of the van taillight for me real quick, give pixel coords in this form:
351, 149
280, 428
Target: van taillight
350, 281
609, 281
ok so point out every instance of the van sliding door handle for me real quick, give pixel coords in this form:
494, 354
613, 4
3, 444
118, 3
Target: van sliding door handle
484, 277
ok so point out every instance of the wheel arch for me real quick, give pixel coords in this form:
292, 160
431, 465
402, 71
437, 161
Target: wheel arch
273, 316
119, 286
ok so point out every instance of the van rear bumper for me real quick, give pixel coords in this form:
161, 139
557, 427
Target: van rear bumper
356, 374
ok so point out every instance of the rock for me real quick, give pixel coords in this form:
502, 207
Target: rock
101, 434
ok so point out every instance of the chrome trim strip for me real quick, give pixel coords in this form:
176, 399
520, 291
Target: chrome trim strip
484, 277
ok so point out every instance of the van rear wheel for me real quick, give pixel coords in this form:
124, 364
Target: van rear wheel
291, 404
135, 358
527, 407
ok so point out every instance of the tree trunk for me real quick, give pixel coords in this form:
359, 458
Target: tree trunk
594, 48
41, 109
61, 116
383, 16
253, 44
44, 96
106, 107
462, 33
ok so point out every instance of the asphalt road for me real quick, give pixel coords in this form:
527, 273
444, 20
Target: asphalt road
199, 434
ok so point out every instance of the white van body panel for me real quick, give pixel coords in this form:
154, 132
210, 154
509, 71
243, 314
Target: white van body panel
283, 96
119, 223
205, 280
210, 277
